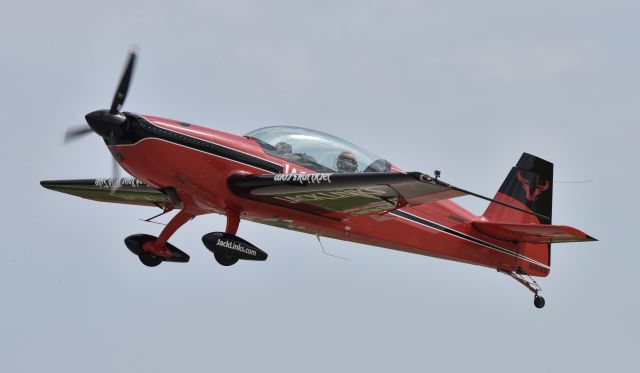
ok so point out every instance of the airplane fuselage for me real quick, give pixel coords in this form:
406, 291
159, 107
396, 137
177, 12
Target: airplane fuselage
197, 161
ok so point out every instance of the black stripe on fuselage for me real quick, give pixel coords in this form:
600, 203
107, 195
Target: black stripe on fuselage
442, 228
140, 129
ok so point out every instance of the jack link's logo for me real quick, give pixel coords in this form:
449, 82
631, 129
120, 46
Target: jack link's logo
235, 246
532, 195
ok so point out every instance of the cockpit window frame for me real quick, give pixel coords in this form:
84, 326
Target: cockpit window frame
315, 150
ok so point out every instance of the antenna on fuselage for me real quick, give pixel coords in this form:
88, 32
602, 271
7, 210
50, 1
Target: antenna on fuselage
326, 253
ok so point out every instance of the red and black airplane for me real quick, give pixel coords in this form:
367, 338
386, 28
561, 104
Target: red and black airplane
315, 183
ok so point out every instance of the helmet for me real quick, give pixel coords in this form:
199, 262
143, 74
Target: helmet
346, 162
283, 148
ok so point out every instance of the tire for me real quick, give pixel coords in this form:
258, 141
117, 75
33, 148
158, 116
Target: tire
225, 260
538, 301
149, 259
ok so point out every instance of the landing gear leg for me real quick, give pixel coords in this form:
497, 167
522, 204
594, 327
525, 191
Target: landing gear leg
152, 251
171, 228
529, 283
233, 221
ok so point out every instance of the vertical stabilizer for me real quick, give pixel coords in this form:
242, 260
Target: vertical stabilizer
529, 186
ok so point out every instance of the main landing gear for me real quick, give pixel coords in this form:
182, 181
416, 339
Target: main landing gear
154, 250
226, 247
139, 245
225, 258
529, 283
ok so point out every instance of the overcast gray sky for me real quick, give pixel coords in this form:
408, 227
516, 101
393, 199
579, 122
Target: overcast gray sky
461, 86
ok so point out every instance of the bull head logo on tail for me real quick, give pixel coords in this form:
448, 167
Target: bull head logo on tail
529, 194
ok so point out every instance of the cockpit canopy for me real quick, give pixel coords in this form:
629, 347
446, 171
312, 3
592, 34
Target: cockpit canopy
316, 150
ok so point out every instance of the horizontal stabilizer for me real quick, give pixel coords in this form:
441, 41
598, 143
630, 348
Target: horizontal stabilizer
532, 233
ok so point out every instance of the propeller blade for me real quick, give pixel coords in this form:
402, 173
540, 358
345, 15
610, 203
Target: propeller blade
115, 175
115, 169
76, 132
123, 87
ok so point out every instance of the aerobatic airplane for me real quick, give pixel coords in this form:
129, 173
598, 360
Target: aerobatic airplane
315, 183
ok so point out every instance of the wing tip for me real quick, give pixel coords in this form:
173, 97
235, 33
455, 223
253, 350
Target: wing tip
49, 184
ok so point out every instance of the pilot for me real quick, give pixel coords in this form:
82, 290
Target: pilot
346, 162
283, 148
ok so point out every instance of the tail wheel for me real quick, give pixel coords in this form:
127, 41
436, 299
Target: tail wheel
529, 283
225, 260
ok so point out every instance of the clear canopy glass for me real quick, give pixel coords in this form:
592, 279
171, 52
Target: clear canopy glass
318, 151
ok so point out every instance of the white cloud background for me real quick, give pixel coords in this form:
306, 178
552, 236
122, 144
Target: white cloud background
464, 87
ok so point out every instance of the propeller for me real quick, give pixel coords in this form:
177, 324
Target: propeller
76, 132
123, 87
108, 124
